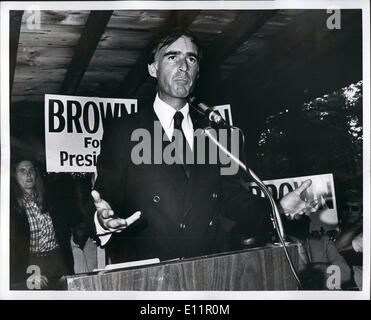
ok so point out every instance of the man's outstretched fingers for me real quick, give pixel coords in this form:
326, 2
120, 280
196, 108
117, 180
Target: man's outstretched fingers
304, 186
134, 217
117, 223
105, 214
96, 196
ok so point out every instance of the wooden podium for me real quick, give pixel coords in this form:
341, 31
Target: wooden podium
252, 269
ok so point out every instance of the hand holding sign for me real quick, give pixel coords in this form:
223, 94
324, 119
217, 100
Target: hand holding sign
107, 218
293, 206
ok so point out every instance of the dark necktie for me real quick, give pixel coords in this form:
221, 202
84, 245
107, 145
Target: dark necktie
181, 141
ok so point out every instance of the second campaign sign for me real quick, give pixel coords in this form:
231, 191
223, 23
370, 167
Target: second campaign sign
74, 129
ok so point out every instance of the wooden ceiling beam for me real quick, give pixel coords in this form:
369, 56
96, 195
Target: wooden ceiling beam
15, 29
138, 73
86, 46
246, 24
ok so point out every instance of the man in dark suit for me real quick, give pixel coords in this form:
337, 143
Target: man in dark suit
177, 207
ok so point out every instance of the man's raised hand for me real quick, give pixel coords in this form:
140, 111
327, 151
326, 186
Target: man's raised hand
107, 218
293, 206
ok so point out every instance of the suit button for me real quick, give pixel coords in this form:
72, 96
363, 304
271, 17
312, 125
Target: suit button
156, 199
215, 195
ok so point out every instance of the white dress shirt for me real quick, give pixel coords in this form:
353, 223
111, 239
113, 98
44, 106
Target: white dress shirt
165, 114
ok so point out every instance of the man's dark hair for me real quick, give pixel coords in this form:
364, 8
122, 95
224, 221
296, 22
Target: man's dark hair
352, 195
170, 38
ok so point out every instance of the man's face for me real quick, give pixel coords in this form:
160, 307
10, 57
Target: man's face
352, 211
176, 69
26, 175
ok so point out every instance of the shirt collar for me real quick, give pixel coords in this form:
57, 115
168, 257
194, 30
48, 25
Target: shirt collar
29, 197
165, 112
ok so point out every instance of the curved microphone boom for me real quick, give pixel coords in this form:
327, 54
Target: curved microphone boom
212, 115
215, 117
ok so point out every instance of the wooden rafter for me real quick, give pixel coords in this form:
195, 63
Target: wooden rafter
138, 73
15, 29
88, 42
239, 31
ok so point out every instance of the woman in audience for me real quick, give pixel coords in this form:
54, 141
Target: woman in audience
40, 231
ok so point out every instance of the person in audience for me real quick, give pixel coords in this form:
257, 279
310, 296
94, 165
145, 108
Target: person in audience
349, 241
317, 253
40, 231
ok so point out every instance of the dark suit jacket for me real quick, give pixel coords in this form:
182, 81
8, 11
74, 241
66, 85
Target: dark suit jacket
179, 219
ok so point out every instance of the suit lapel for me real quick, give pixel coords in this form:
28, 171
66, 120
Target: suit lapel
174, 173
199, 172
193, 189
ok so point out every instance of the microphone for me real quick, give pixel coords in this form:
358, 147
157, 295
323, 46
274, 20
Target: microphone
212, 115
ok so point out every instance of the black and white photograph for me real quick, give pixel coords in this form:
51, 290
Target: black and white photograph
181, 149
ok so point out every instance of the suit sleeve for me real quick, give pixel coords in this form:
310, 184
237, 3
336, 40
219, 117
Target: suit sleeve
111, 169
250, 212
111, 166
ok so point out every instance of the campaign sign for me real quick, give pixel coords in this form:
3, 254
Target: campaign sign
74, 129
322, 188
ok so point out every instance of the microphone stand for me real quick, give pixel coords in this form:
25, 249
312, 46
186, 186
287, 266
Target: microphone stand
274, 214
